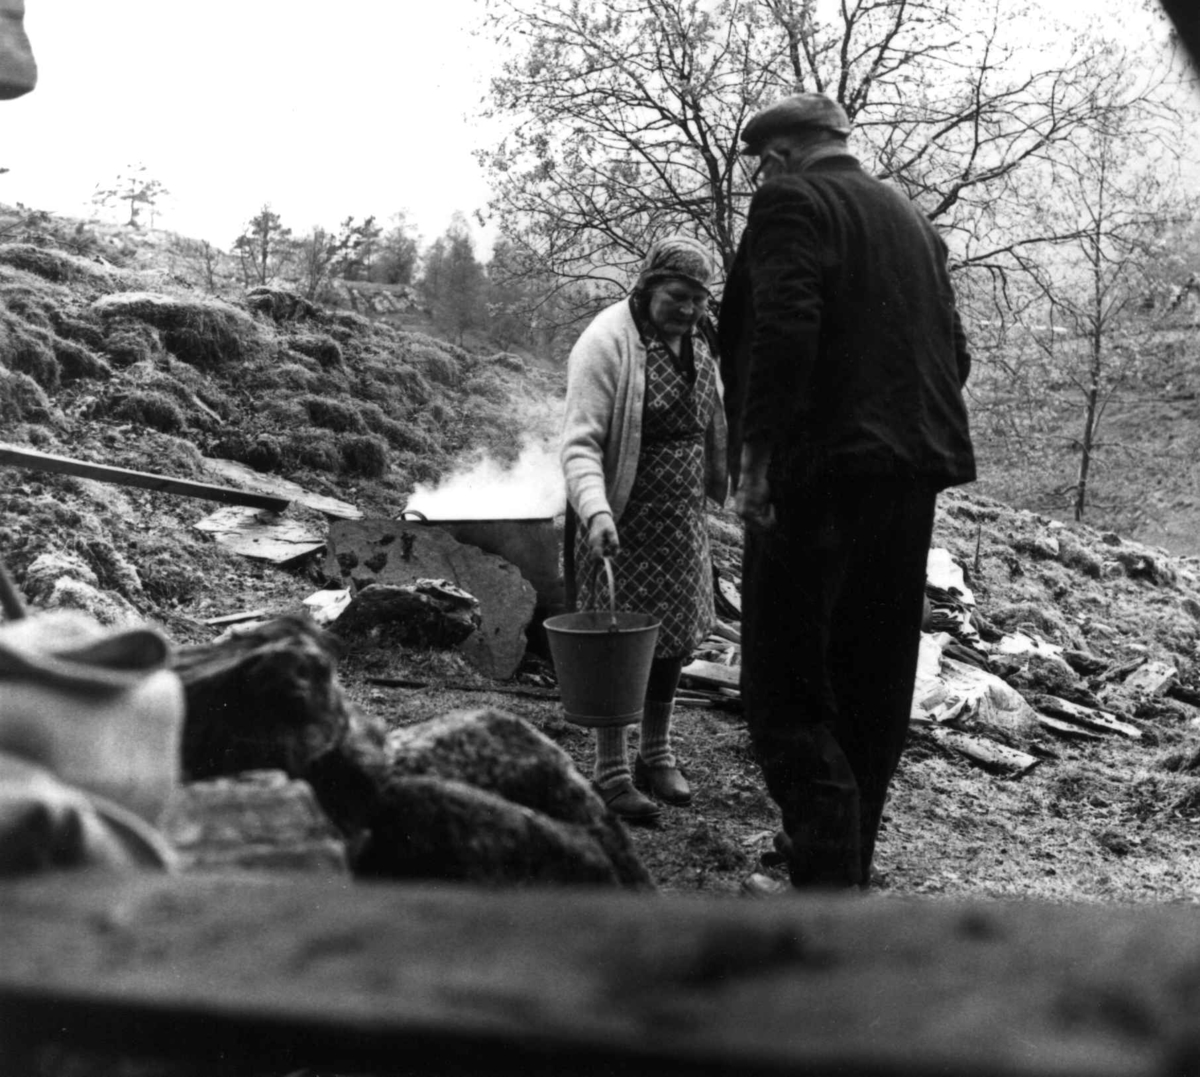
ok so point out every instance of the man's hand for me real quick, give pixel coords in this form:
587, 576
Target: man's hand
753, 500
602, 536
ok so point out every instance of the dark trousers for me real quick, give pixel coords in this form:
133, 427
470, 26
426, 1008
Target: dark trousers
831, 617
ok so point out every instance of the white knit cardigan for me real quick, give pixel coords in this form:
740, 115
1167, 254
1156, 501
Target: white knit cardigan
602, 426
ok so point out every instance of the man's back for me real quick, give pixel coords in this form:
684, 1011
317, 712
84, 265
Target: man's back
855, 358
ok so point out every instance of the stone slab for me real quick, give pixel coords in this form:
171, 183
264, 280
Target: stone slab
261, 535
398, 552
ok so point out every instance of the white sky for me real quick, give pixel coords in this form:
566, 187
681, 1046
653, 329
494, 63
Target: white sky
322, 109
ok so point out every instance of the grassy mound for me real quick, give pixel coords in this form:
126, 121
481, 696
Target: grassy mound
207, 333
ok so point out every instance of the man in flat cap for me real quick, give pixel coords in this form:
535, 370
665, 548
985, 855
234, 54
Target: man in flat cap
844, 360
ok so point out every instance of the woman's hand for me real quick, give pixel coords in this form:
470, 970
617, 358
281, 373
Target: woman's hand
602, 535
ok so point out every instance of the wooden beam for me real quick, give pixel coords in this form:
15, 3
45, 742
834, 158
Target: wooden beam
297, 972
30, 459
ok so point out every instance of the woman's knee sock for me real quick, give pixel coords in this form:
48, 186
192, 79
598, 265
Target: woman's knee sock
612, 760
655, 747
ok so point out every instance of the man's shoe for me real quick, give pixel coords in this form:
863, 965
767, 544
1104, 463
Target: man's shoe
763, 886
782, 854
666, 783
627, 803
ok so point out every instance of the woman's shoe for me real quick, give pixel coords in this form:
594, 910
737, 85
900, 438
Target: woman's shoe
627, 803
666, 783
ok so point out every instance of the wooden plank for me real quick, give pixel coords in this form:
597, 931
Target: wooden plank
1066, 729
986, 752
1088, 717
263, 536
14, 456
711, 674
281, 487
307, 973
236, 618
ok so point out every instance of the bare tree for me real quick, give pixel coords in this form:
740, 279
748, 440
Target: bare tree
626, 115
1119, 190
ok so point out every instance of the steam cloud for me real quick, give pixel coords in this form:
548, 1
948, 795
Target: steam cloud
484, 489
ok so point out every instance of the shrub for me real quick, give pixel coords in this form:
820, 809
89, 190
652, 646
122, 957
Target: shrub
83, 332
438, 412
334, 415
487, 386
435, 363
263, 452
325, 350
206, 333
149, 408
22, 399
53, 265
280, 305
509, 362
316, 449
291, 376
127, 342
77, 361
28, 351
364, 454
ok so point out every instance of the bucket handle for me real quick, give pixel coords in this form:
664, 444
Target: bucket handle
414, 512
612, 593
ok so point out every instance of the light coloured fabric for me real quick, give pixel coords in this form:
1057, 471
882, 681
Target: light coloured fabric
602, 423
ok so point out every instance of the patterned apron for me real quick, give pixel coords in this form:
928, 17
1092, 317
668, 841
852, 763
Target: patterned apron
664, 566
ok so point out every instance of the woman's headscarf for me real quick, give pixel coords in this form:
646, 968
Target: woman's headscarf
675, 258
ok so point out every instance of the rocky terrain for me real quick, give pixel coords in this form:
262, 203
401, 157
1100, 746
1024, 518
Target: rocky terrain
109, 360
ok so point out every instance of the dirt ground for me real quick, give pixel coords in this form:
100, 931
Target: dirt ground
1105, 820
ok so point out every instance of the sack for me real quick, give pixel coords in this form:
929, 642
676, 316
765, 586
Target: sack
97, 708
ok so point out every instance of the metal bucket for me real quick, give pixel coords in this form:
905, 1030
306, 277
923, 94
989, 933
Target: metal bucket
602, 661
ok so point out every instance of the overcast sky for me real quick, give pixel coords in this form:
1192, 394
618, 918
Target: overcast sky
322, 109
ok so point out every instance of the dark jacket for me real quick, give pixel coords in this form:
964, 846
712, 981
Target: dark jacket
840, 342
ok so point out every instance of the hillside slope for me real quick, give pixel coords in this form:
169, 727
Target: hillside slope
121, 366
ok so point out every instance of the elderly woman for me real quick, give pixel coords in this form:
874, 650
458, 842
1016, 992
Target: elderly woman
643, 443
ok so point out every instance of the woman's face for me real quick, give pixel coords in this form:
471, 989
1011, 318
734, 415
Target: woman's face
676, 307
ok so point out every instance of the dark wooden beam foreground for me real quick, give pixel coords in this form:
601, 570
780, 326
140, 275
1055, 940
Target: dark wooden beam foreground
304, 972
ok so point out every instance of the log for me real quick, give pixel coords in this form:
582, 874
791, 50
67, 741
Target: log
1088, 717
13, 456
986, 752
277, 975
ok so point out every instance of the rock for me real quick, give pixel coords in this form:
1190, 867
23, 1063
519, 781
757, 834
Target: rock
434, 828
429, 613
1191, 606
503, 755
1151, 679
255, 820
48, 568
1043, 547
106, 607
400, 553
1140, 564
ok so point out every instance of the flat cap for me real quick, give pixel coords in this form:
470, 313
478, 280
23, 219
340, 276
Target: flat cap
800, 112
